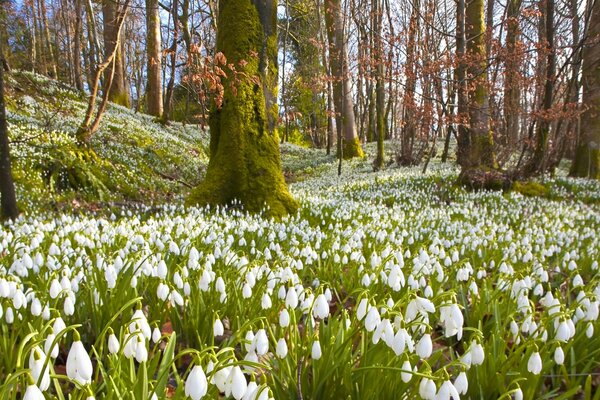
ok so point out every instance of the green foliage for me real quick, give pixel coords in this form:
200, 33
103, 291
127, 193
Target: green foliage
531, 189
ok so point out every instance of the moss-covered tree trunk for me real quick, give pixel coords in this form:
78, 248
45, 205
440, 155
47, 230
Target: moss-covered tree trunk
8, 199
154, 97
587, 157
245, 162
118, 91
481, 146
342, 90
512, 89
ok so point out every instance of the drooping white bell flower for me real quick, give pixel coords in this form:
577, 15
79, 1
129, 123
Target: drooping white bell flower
196, 384
424, 346
291, 298
321, 307
284, 318
427, 389
236, 383
261, 342
79, 365
33, 393
404, 375
218, 328
361, 310
50, 350
316, 350
141, 352
534, 364
37, 359
477, 353
447, 391
139, 322
113, 344
461, 383
282, 348
156, 335
559, 356
219, 378
372, 319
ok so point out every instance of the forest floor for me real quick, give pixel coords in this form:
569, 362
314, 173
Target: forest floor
382, 285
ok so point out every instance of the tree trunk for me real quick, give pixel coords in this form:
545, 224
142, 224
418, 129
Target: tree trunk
118, 92
512, 91
481, 150
154, 96
46, 32
538, 160
379, 85
245, 163
342, 91
409, 129
8, 199
587, 156
168, 106
78, 75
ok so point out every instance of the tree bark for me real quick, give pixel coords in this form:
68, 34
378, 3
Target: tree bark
118, 92
512, 91
342, 91
8, 198
245, 163
587, 156
154, 95
379, 85
481, 151
78, 75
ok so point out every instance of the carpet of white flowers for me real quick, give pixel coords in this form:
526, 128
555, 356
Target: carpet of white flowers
383, 286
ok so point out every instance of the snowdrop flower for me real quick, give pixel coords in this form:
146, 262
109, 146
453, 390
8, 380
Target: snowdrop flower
79, 365
477, 353
372, 319
33, 393
113, 343
321, 307
156, 335
534, 364
162, 292
284, 318
291, 298
141, 352
50, 350
559, 356
140, 323
452, 319
424, 346
589, 331
282, 348
261, 342
461, 383
316, 350
447, 391
55, 289
361, 310
69, 307
219, 378
406, 376
37, 359
236, 383
427, 389
196, 384
218, 328
266, 302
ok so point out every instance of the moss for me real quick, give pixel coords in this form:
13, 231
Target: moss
245, 163
531, 189
352, 148
586, 163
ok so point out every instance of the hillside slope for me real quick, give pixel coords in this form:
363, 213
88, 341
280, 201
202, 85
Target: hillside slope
132, 158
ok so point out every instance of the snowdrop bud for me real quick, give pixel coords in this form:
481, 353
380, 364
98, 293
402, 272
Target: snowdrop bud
261, 342
79, 365
518, 394
246, 291
282, 348
427, 389
406, 376
284, 318
113, 344
424, 346
218, 329
461, 383
156, 335
589, 332
69, 307
58, 326
559, 356
291, 298
196, 384
55, 289
141, 352
534, 364
266, 302
316, 350
36, 308
52, 351
477, 353
321, 307
33, 393
361, 311
237, 382
9, 316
